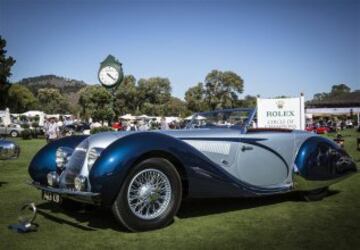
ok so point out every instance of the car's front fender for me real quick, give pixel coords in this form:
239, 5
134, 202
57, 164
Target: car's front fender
44, 161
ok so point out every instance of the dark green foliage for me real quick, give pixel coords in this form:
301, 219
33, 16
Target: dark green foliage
220, 90
5, 72
25, 125
96, 102
100, 129
52, 102
26, 134
20, 99
339, 96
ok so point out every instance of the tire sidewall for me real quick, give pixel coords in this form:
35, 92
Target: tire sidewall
14, 134
121, 207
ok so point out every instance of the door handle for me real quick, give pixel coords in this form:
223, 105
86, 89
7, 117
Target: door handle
244, 148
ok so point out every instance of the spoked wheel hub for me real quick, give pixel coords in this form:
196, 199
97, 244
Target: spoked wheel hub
149, 194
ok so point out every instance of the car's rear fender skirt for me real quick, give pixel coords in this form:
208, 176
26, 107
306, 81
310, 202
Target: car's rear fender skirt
44, 161
203, 177
321, 162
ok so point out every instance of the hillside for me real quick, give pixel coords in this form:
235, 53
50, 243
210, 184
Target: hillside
69, 88
65, 85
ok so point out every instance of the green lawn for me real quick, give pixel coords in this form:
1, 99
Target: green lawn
281, 221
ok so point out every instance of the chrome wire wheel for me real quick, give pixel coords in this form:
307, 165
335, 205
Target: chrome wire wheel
149, 194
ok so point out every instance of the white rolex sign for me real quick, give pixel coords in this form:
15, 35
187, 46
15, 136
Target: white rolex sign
281, 113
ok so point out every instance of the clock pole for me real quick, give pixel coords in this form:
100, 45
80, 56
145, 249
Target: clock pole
111, 76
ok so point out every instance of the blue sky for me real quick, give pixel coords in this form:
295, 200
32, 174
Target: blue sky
278, 47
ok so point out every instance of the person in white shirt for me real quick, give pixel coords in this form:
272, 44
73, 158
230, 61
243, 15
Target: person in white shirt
163, 124
143, 126
53, 130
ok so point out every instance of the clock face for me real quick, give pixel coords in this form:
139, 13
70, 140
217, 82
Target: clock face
108, 76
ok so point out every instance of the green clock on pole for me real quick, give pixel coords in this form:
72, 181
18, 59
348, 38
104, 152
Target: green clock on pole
110, 73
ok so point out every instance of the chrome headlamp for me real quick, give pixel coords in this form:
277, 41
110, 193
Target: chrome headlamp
52, 178
94, 153
80, 183
62, 156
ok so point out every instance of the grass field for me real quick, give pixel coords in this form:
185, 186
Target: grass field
276, 222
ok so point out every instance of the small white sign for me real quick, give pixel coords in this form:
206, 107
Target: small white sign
281, 113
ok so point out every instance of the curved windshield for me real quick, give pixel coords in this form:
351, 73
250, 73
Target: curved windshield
233, 118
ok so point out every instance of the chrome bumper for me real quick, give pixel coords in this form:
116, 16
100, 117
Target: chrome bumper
85, 197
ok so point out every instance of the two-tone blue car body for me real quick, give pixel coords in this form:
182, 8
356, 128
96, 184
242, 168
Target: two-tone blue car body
144, 176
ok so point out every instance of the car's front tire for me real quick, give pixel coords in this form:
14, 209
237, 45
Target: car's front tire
150, 196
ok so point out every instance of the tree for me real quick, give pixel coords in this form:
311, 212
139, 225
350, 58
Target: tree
95, 102
5, 72
320, 96
153, 93
21, 99
339, 89
194, 98
52, 102
222, 89
248, 102
126, 97
176, 107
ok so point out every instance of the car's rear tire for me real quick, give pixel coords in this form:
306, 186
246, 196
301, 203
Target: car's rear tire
315, 195
14, 134
149, 197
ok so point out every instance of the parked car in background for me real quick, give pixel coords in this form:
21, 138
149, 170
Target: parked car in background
12, 130
144, 176
322, 129
75, 128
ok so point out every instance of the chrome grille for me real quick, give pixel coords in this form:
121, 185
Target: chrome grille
74, 166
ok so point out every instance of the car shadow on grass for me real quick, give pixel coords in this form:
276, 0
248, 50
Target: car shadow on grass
87, 217
91, 218
203, 207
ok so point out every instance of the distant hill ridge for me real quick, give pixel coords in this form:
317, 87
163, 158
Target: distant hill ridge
65, 85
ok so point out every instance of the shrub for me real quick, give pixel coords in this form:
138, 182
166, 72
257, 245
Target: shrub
26, 134
35, 124
100, 129
25, 125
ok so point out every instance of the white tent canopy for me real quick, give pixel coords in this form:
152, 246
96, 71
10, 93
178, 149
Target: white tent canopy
198, 117
144, 117
128, 117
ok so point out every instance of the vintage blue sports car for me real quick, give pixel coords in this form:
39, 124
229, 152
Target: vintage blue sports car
143, 176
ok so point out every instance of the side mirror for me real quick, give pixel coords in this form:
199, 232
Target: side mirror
8, 150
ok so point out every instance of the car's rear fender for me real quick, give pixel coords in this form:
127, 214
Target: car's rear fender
319, 163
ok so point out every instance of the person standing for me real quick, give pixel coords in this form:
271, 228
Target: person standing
46, 129
53, 130
163, 124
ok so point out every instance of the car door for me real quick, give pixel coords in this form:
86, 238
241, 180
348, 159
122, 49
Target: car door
2, 129
264, 160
